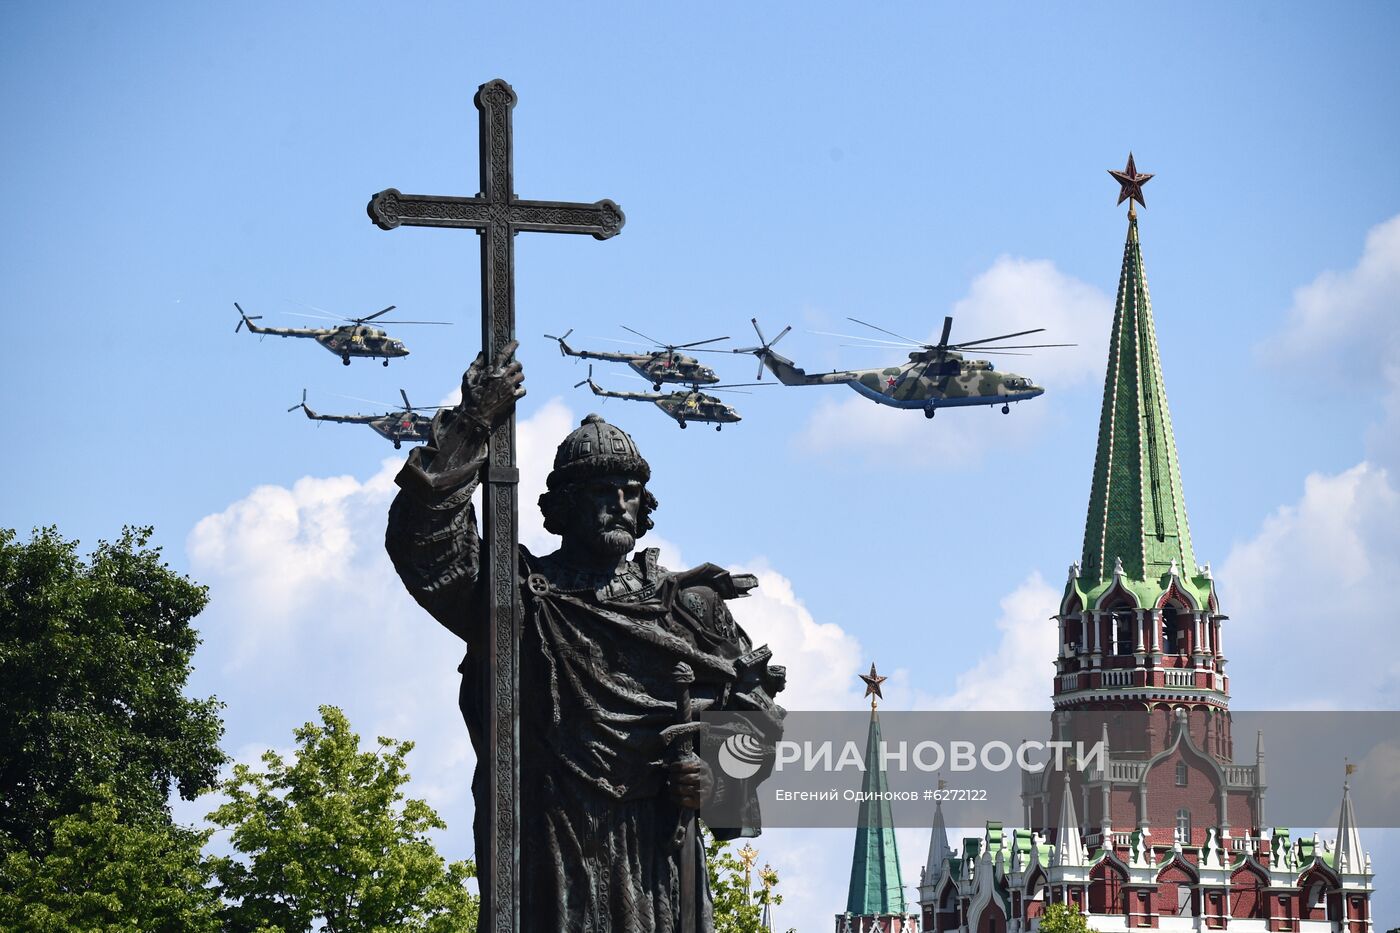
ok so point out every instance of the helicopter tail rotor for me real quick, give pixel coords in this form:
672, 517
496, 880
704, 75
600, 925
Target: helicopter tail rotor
765, 345
301, 404
563, 347
589, 381
244, 319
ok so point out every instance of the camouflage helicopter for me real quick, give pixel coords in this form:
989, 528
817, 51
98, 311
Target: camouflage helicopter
397, 426
684, 407
663, 364
936, 376
344, 340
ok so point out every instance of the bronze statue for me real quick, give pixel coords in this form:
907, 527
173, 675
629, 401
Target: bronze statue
615, 653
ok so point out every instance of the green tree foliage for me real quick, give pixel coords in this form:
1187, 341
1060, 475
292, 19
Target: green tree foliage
737, 909
103, 874
94, 656
330, 838
1063, 918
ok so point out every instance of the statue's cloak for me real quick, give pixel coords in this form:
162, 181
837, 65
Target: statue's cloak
597, 689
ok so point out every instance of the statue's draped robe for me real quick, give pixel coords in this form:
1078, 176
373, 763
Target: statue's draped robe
596, 681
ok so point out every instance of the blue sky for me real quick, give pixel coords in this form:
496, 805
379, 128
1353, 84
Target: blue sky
795, 162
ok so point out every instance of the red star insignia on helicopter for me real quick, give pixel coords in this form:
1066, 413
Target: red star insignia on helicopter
890, 382
1130, 182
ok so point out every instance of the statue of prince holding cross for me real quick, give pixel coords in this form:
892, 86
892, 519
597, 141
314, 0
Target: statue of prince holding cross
598, 657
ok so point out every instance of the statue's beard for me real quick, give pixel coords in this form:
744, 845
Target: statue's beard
616, 542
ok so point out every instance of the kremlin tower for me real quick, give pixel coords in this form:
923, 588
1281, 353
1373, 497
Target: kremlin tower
1167, 830
875, 898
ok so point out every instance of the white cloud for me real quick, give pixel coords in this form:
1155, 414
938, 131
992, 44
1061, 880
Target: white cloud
1021, 294
1319, 572
1013, 295
1016, 675
1354, 309
821, 657
274, 557
536, 439
1348, 320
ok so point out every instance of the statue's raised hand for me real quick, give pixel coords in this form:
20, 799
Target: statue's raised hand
458, 445
489, 392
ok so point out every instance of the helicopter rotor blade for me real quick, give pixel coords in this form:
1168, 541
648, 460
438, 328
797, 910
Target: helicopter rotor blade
947, 329
413, 322
871, 341
630, 343
1029, 346
765, 345
406, 403
883, 331
315, 317
332, 316
1019, 333
687, 346
561, 341
654, 341
370, 401
244, 318
361, 320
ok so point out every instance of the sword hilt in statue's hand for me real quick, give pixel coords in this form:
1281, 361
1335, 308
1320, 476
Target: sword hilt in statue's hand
690, 779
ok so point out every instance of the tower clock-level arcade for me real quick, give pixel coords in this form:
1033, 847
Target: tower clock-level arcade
1167, 829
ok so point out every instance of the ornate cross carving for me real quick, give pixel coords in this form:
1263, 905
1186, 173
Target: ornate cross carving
496, 214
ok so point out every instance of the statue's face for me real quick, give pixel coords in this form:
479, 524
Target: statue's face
605, 513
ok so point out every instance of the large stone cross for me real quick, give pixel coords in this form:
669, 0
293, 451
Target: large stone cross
496, 214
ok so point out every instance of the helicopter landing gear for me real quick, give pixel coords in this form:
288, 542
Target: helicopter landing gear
397, 444
719, 427
345, 360
1006, 409
386, 361
930, 412
681, 422
656, 387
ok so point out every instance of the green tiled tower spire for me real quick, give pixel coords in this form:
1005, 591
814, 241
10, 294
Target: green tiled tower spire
876, 886
1137, 511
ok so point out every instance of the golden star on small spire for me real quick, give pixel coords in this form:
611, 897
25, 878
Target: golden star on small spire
1130, 182
872, 685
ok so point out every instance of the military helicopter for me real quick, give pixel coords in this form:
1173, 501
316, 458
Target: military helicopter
397, 426
936, 376
684, 407
663, 364
344, 340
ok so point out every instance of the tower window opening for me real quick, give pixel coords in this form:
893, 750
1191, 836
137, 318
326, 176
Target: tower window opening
1123, 633
1181, 772
1173, 631
1183, 826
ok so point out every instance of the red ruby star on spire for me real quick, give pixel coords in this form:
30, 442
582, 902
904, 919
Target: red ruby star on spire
1130, 182
872, 684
